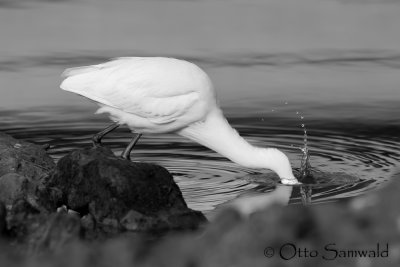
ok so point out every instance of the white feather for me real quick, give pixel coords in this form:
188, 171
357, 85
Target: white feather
160, 90
159, 95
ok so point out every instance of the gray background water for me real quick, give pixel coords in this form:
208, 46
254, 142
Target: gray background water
335, 62
305, 50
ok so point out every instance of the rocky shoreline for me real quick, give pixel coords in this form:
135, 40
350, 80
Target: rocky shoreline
89, 194
94, 209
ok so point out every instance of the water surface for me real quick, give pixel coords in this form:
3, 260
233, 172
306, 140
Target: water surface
366, 151
337, 63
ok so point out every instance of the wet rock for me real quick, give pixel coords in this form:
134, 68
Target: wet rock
233, 240
22, 220
36, 232
23, 168
23, 158
12, 187
120, 195
54, 232
88, 225
112, 195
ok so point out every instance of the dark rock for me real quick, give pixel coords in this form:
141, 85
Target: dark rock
54, 232
110, 195
88, 225
12, 186
119, 194
23, 158
22, 219
38, 232
232, 240
23, 168
113, 195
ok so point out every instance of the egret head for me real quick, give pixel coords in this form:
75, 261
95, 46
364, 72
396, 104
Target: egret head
277, 161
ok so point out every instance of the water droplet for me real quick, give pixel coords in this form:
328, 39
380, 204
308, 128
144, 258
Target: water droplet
302, 117
297, 112
302, 125
286, 103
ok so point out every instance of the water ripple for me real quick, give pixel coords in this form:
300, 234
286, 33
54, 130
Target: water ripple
208, 180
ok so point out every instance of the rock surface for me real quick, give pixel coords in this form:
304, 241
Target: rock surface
23, 166
54, 233
23, 158
232, 240
106, 194
118, 194
12, 187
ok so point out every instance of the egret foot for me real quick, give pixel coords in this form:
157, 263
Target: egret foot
127, 152
96, 139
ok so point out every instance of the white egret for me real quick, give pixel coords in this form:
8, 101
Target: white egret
161, 95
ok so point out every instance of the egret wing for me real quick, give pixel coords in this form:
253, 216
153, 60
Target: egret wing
135, 86
157, 109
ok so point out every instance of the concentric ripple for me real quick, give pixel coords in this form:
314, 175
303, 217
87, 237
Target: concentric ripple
346, 163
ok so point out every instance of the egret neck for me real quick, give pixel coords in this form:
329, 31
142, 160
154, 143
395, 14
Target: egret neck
217, 134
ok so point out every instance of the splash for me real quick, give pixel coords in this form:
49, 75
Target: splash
305, 176
305, 168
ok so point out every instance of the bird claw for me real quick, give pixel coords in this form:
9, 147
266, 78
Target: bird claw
96, 141
125, 157
96, 144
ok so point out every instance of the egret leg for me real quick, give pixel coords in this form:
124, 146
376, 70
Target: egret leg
96, 139
127, 152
